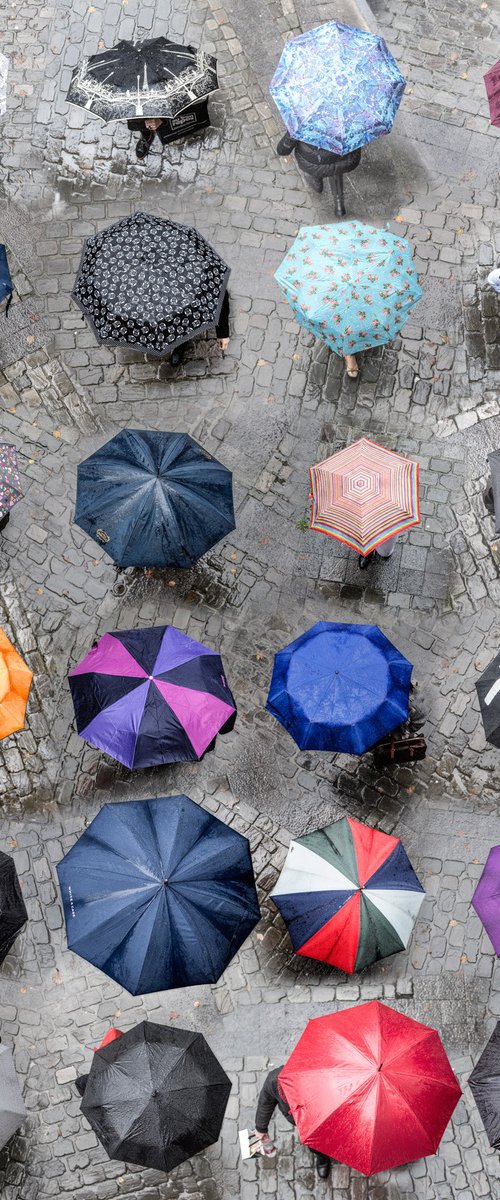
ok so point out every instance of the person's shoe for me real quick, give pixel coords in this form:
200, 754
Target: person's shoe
177, 356
144, 144
323, 1166
416, 718
314, 183
365, 560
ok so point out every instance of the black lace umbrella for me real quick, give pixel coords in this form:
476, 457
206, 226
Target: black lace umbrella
150, 283
156, 78
155, 1096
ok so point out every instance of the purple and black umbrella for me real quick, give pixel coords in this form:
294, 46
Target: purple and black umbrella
486, 898
492, 82
150, 696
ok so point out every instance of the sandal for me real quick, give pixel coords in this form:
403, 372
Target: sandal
352, 372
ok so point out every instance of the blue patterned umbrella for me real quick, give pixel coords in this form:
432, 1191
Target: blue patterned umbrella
337, 87
350, 284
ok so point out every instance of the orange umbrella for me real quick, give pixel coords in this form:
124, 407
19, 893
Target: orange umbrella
15, 680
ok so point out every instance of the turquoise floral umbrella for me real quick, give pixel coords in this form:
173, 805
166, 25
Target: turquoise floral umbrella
350, 284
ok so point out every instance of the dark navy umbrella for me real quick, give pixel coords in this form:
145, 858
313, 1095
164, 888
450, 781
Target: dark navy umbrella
340, 687
158, 894
156, 1096
484, 1084
154, 499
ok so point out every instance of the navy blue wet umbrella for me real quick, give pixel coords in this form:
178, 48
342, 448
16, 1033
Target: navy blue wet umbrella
340, 687
154, 499
158, 894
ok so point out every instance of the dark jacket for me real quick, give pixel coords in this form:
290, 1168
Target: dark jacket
222, 326
313, 161
270, 1097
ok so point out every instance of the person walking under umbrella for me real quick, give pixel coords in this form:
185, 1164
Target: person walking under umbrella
272, 1097
221, 333
318, 164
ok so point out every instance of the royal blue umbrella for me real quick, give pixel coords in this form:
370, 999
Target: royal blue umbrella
337, 87
340, 687
158, 894
154, 499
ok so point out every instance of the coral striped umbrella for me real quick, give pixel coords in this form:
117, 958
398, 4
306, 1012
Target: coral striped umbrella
370, 1087
15, 682
364, 495
349, 895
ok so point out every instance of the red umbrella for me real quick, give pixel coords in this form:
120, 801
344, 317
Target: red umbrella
358, 1076
492, 81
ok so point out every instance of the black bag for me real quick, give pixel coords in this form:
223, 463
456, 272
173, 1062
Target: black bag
399, 750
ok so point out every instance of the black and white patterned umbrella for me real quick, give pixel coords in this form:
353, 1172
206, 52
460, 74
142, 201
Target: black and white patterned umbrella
150, 283
155, 78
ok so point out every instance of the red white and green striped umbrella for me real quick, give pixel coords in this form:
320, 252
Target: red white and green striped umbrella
364, 495
348, 894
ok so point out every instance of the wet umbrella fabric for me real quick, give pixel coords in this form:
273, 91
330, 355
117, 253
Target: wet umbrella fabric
357, 1076
15, 683
348, 894
492, 82
350, 284
488, 690
156, 1096
337, 87
158, 894
484, 1083
13, 915
486, 898
340, 687
151, 696
10, 483
364, 494
12, 1109
154, 499
150, 283
153, 78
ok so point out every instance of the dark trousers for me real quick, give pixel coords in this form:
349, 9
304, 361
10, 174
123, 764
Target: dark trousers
4, 521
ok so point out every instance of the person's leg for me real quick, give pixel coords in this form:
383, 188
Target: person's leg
313, 182
339, 192
351, 365
146, 139
386, 549
177, 355
323, 1164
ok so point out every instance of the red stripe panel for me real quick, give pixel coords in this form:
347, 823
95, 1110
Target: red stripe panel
372, 848
337, 942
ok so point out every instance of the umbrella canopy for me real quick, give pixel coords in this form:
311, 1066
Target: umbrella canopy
488, 690
154, 78
150, 284
484, 1083
4, 70
12, 1109
154, 499
364, 495
158, 894
486, 898
494, 461
358, 1076
337, 87
492, 81
150, 696
349, 895
340, 687
13, 913
156, 1096
15, 681
350, 284
6, 286
10, 483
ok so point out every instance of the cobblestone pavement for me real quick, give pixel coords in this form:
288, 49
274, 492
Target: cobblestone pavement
277, 402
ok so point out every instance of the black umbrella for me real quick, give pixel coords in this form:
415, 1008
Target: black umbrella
494, 461
156, 1096
13, 913
155, 78
150, 283
485, 1087
488, 690
12, 1110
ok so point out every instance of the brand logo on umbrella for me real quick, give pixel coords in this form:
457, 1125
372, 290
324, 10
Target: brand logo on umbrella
102, 535
70, 896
